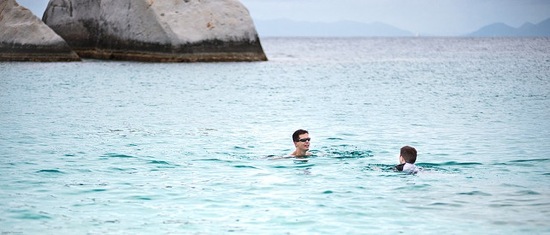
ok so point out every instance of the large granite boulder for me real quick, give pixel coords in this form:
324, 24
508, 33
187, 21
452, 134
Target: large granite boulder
24, 37
157, 30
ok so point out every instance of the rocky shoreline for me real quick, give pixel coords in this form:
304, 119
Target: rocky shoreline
135, 30
25, 37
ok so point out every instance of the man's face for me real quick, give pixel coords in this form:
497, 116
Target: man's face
303, 142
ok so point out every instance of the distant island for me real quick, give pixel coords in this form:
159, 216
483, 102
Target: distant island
541, 29
290, 28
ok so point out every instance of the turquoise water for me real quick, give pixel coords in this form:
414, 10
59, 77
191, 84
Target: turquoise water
145, 148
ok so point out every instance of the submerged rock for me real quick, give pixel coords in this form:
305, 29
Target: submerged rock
24, 37
149, 30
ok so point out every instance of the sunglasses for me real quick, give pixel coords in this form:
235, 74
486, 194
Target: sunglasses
304, 140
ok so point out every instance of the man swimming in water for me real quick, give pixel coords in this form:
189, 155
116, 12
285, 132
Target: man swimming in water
301, 142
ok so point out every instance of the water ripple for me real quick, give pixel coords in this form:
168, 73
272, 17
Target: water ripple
452, 163
526, 193
245, 166
475, 193
160, 162
211, 160
531, 160
116, 155
30, 215
50, 171
341, 152
445, 204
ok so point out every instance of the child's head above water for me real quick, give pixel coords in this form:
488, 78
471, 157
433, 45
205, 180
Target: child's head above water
407, 155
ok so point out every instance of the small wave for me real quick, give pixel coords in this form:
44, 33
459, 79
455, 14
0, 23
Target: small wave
353, 154
27, 215
159, 162
245, 166
475, 193
446, 204
343, 153
415, 187
211, 160
143, 198
116, 155
51, 171
451, 163
98, 190
95, 190
123, 169
296, 164
526, 192
530, 160
162, 164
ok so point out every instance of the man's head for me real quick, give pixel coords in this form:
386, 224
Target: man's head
408, 154
301, 139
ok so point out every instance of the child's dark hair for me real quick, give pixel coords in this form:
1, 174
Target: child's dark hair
409, 154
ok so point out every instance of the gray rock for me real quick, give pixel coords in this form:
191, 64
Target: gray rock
24, 37
157, 30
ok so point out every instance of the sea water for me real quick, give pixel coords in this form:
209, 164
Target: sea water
101, 147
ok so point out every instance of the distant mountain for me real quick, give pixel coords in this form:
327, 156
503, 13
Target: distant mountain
503, 30
289, 28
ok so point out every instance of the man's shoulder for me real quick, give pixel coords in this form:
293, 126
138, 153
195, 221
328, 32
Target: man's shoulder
399, 167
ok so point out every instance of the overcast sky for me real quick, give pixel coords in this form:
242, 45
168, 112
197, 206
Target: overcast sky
433, 17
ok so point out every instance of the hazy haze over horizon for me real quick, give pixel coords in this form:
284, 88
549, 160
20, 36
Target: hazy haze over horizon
425, 17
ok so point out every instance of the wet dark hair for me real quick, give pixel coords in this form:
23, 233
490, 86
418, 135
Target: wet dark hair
297, 133
409, 154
